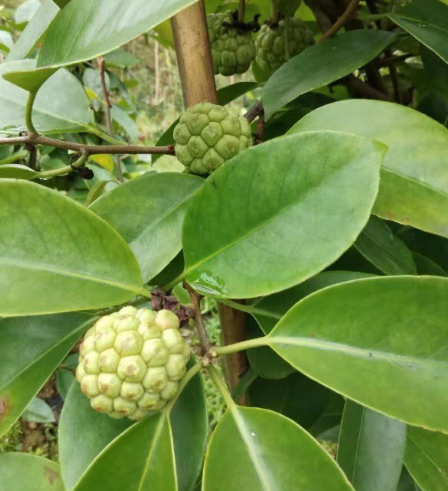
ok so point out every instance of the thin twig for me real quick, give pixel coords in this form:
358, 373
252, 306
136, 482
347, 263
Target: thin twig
110, 128
242, 10
90, 149
32, 161
341, 21
254, 111
361, 89
195, 298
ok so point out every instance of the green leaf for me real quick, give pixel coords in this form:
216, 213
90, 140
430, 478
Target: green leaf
322, 64
426, 458
68, 111
427, 21
148, 212
379, 245
161, 452
377, 341
38, 411
297, 397
269, 310
262, 450
120, 59
26, 11
33, 31
80, 427
24, 472
84, 30
30, 350
64, 380
286, 214
17, 171
62, 3
416, 142
371, 448
67, 256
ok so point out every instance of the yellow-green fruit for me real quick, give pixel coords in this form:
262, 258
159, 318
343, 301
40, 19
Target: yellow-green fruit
233, 50
276, 45
208, 135
130, 362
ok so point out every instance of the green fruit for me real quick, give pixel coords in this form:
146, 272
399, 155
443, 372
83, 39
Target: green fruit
276, 45
208, 135
233, 51
130, 362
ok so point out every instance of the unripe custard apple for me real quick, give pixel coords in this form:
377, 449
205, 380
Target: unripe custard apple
131, 362
275, 45
233, 50
208, 135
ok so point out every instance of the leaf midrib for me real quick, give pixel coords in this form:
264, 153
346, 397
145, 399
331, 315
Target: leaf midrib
67, 273
265, 222
351, 350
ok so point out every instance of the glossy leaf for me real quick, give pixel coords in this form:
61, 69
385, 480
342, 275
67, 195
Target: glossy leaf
262, 450
371, 448
148, 212
269, 310
414, 177
68, 112
68, 257
33, 31
296, 397
83, 30
166, 451
64, 381
286, 214
427, 21
38, 411
378, 244
427, 458
16, 171
322, 64
83, 435
24, 472
26, 366
388, 331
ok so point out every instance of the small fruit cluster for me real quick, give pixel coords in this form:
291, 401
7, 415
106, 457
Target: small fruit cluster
131, 362
234, 50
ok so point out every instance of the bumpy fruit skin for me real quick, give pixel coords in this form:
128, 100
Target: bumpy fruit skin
131, 361
232, 51
276, 45
208, 135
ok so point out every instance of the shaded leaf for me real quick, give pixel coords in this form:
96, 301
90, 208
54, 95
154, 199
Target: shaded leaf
68, 112
371, 448
427, 458
64, 380
322, 64
38, 411
427, 21
378, 244
26, 365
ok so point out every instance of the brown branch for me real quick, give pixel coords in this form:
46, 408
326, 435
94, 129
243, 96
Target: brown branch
110, 128
361, 89
254, 111
90, 149
345, 17
195, 299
